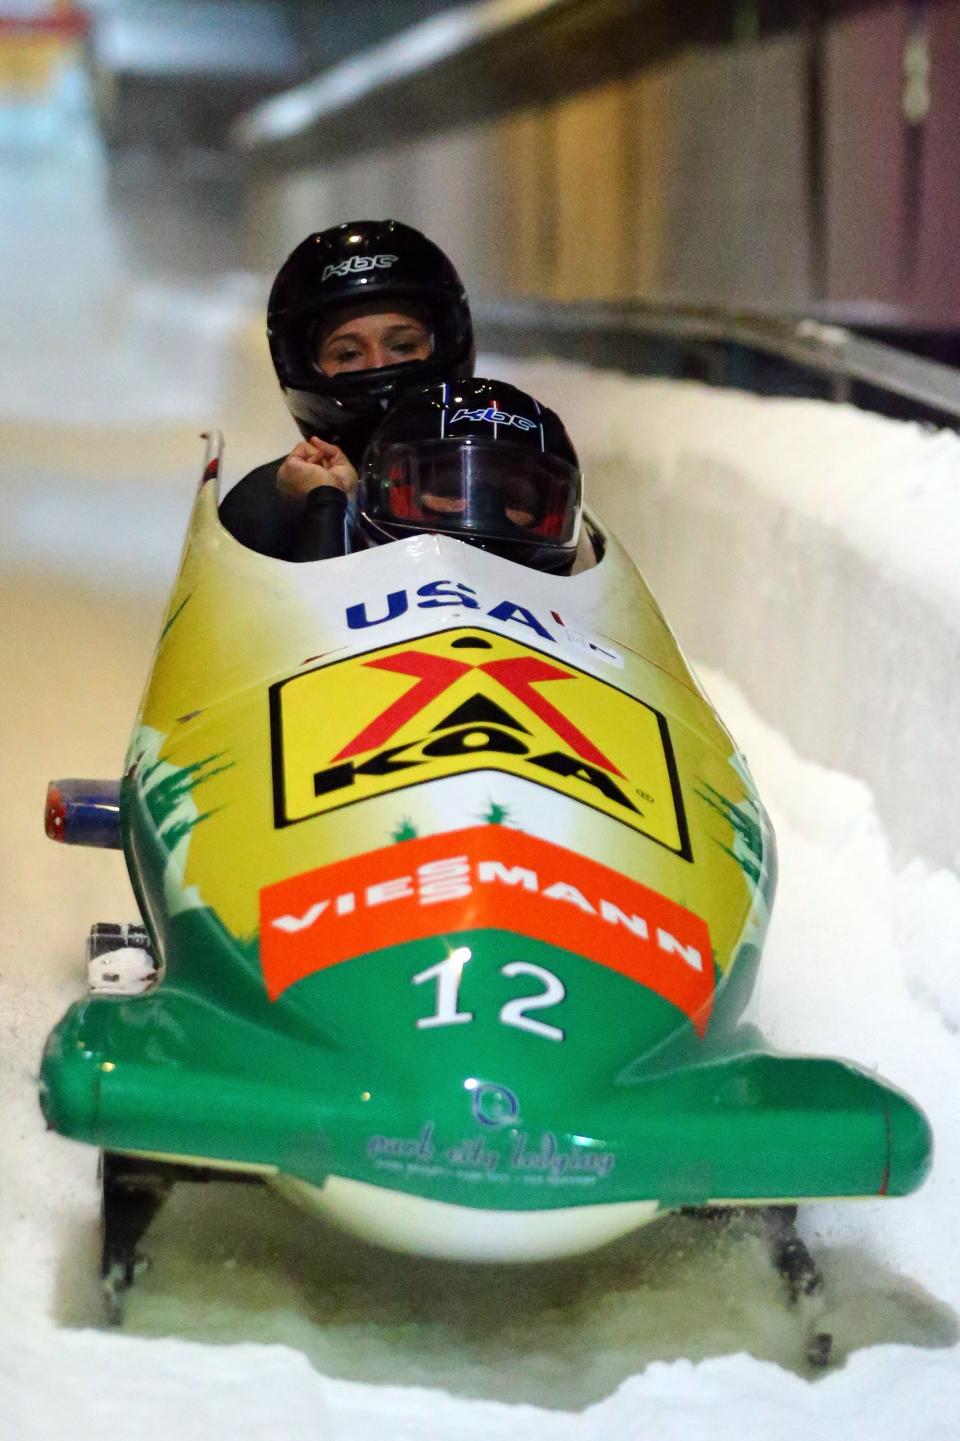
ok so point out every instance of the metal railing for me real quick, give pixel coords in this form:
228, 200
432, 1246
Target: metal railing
837, 354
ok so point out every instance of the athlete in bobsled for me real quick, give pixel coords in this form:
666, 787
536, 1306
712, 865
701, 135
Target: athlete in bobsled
453, 886
480, 461
357, 314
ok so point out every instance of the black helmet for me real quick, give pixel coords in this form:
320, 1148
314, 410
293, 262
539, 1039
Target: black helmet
356, 264
481, 461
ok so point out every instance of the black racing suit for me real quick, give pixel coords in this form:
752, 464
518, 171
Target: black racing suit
287, 528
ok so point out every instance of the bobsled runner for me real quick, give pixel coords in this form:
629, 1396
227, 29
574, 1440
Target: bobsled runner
453, 889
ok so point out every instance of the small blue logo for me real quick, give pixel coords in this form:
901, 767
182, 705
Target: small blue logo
494, 1105
495, 417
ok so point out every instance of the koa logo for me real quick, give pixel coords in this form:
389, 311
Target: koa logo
359, 263
467, 700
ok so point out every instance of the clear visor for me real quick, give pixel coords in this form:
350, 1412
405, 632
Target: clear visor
481, 488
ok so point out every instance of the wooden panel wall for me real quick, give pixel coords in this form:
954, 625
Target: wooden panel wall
935, 296
720, 175
528, 204
595, 188
691, 181
865, 157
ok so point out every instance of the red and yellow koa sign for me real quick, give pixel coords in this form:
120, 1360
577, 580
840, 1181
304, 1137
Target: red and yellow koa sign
466, 700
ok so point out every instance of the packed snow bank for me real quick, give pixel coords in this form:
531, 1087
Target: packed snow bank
807, 550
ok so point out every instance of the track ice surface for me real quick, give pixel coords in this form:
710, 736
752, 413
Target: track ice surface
256, 1322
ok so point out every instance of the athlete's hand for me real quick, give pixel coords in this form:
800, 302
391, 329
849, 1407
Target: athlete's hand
316, 462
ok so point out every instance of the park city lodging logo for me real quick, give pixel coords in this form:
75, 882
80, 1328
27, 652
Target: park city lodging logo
468, 700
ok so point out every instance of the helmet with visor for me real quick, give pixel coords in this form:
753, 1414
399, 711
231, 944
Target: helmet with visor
349, 272
481, 461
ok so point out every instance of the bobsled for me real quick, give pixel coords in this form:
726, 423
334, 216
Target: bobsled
453, 888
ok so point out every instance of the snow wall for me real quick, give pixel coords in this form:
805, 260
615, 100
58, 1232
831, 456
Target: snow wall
807, 550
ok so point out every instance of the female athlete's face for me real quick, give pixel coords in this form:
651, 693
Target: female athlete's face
370, 342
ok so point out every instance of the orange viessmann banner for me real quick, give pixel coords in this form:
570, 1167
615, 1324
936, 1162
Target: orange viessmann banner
485, 877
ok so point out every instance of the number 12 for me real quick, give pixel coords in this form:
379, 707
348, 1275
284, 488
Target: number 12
446, 1012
